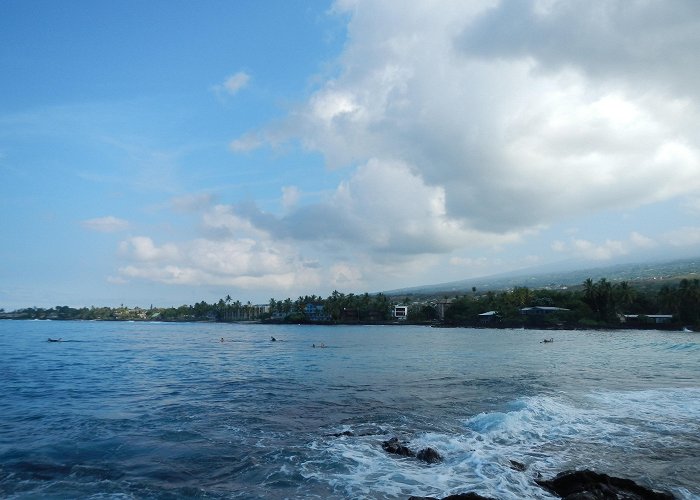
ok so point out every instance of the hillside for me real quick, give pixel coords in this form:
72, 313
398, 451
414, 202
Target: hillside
646, 275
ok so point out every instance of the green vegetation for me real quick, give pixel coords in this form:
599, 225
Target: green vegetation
198, 312
650, 275
599, 304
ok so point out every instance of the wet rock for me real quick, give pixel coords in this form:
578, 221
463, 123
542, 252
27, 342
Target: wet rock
459, 496
467, 496
395, 447
520, 467
589, 485
429, 455
344, 433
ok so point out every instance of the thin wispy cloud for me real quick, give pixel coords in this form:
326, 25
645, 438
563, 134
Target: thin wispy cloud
232, 84
108, 224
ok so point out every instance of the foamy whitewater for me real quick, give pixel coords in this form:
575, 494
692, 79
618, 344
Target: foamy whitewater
157, 410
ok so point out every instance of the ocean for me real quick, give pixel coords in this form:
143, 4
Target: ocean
167, 410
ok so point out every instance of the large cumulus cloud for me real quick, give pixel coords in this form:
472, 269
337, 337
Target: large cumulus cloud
522, 113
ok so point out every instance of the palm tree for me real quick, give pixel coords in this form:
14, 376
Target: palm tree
625, 295
589, 291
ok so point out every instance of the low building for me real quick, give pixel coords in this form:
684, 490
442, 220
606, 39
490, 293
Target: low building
315, 312
488, 316
649, 318
441, 306
400, 312
541, 310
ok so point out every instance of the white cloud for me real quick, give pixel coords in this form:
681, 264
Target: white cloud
142, 248
467, 262
223, 219
241, 262
290, 197
383, 209
108, 224
233, 84
604, 251
464, 127
513, 135
365, 227
683, 237
607, 250
117, 280
247, 142
641, 241
692, 205
346, 276
191, 202
559, 246
641, 43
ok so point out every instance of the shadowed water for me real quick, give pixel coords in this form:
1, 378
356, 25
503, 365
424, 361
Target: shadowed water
154, 410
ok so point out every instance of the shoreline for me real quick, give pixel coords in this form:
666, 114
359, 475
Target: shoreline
671, 327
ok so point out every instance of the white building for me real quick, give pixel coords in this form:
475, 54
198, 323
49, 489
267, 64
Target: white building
400, 312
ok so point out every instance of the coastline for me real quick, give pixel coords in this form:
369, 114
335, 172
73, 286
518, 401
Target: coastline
495, 325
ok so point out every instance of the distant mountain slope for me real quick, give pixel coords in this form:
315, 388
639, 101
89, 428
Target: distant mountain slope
642, 274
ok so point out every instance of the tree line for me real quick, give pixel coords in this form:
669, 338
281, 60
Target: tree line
337, 307
594, 304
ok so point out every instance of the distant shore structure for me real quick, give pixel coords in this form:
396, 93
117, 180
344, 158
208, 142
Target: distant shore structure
400, 312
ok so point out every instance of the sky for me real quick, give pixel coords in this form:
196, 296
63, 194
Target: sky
169, 152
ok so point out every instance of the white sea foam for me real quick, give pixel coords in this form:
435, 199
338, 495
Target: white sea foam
548, 434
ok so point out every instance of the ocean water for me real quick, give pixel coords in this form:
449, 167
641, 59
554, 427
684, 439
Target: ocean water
161, 410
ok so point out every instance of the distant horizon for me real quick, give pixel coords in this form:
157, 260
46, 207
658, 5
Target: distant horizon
172, 153
426, 289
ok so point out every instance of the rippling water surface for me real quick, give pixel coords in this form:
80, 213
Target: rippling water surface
157, 410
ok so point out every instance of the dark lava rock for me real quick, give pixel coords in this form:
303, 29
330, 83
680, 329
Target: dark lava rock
394, 446
520, 467
344, 433
459, 496
589, 485
467, 496
429, 455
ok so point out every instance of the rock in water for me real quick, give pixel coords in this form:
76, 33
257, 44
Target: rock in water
429, 455
589, 485
394, 446
520, 467
467, 496
343, 434
458, 496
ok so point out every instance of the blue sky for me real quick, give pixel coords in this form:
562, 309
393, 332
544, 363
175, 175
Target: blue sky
170, 152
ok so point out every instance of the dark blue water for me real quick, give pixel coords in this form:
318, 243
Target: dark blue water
139, 410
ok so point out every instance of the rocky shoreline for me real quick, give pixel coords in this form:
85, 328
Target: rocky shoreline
569, 485
580, 485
